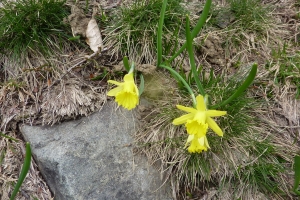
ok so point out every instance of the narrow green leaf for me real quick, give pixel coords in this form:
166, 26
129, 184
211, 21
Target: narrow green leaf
24, 171
159, 32
173, 72
8, 137
142, 85
76, 38
242, 88
2, 155
297, 174
196, 29
189, 42
126, 63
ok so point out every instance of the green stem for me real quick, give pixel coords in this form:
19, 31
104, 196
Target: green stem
183, 81
159, 32
24, 171
189, 42
197, 28
131, 68
242, 88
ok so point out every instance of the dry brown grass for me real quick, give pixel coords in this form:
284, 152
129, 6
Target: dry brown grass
26, 97
43, 90
278, 114
33, 186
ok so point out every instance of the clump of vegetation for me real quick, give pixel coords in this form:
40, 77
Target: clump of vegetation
246, 159
35, 25
286, 68
134, 29
250, 15
246, 15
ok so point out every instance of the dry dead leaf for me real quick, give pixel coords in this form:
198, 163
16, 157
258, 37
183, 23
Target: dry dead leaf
93, 35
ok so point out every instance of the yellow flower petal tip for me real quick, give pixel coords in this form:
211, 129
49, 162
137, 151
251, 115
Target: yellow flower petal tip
126, 93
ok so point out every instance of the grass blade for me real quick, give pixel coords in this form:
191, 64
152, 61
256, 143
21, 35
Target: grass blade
189, 42
24, 171
297, 174
159, 32
8, 137
242, 88
197, 28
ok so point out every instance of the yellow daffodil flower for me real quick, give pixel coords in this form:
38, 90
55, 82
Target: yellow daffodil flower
197, 144
126, 93
196, 118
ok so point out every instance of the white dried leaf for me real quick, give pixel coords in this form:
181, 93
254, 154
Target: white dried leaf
93, 35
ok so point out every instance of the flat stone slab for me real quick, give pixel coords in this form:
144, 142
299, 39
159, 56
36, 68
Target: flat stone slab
91, 158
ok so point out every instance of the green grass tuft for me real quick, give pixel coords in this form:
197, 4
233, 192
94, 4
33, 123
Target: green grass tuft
134, 28
31, 25
288, 68
247, 15
250, 15
246, 159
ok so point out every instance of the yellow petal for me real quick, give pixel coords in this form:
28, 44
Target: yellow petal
190, 138
114, 82
183, 119
214, 126
128, 77
200, 103
203, 142
215, 113
115, 91
206, 142
196, 147
186, 109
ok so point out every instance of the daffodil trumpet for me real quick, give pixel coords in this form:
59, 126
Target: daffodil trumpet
126, 93
197, 122
198, 116
197, 144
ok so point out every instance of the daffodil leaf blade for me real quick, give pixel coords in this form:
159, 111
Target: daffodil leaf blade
189, 47
142, 85
159, 32
248, 81
297, 174
196, 29
126, 63
24, 171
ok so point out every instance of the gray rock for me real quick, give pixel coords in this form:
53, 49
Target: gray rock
91, 158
